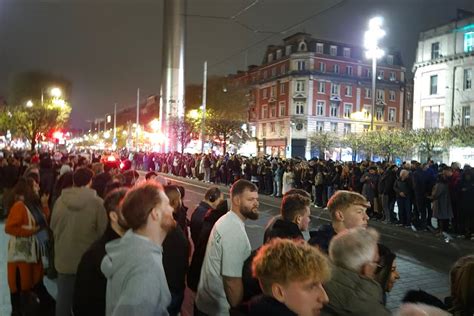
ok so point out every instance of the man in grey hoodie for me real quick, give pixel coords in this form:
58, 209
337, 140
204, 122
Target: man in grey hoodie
133, 265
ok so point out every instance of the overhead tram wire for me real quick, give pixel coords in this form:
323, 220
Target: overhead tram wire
334, 6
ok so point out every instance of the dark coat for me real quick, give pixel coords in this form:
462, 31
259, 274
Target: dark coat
197, 219
322, 237
175, 259
91, 284
282, 229
265, 305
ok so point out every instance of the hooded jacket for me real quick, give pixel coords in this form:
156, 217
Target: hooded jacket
79, 218
136, 282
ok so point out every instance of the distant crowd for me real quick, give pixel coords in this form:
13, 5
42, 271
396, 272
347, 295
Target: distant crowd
117, 245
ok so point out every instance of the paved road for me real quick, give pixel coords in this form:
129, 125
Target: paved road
423, 260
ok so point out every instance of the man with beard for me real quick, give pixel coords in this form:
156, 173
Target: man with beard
220, 285
89, 291
133, 265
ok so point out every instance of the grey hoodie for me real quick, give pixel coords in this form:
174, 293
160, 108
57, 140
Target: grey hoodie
136, 281
78, 219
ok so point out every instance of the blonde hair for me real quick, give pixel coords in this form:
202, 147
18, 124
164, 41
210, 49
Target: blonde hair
284, 260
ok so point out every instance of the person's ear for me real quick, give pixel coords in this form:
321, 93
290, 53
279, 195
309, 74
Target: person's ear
366, 270
278, 292
113, 217
339, 216
298, 219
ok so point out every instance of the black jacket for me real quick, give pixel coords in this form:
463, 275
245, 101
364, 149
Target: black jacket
175, 259
282, 229
197, 219
322, 237
91, 284
265, 305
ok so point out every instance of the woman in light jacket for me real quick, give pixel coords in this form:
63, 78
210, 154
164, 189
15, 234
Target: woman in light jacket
288, 179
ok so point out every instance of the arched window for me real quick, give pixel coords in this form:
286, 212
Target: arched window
302, 46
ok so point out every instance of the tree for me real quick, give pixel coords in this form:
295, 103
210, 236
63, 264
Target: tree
355, 141
31, 122
322, 141
223, 128
431, 140
462, 136
183, 130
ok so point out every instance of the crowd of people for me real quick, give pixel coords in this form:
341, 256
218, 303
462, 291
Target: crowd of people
120, 246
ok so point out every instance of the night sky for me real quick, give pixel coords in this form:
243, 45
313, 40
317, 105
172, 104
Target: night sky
108, 48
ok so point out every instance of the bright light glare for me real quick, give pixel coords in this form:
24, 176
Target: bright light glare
155, 125
375, 22
29, 103
56, 92
106, 134
194, 114
372, 37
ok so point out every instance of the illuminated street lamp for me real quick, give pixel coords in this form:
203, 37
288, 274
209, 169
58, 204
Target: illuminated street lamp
29, 103
155, 125
56, 92
371, 41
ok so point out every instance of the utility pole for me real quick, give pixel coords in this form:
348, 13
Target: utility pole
204, 97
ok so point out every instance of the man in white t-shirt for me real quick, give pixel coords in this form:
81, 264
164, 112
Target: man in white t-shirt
220, 286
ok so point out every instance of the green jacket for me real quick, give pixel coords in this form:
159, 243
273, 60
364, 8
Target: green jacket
352, 294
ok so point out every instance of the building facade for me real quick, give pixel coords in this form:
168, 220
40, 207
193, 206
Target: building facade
308, 85
443, 93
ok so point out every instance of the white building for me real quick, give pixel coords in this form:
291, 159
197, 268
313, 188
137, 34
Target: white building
443, 93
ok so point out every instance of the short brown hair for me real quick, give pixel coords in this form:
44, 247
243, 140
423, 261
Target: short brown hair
240, 186
293, 205
82, 176
343, 199
139, 202
283, 260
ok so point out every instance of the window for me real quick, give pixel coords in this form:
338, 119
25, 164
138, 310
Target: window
391, 114
283, 69
368, 93
366, 128
379, 114
434, 84
279, 54
347, 128
390, 59
392, 76
288, 50
319, 126
301, 65
282, 106
467, 79
299, 107
333, 50
264, 129
391, 95
264, 74
347, 52
270, 58
302, 47
333, 109
434, 50
272, 91
272, 127
264, 111
333, 127
319, 48
466, 115
299, 86
349, 70
335, 89
347, 110
274, 71
348, 91
322, 87
380, 94
322, 67
320, 105
469, 42
282, 88
273, 111
264, 93
367, 111
336, 68
380, 75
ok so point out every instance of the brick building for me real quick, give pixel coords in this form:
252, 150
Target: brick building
306, 85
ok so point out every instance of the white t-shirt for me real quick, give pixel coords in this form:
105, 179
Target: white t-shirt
227, 249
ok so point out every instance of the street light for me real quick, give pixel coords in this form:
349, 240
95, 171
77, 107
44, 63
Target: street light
371, 41
56, 92
29, 103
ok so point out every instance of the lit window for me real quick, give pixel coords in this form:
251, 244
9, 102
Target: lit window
434, 84
322, 87
391, 114
467, 79
319, 48
469, 42
380, 75
347, 110
299, 107
320, 105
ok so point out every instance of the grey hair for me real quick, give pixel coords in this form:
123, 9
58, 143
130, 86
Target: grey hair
404, 173
354, 248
